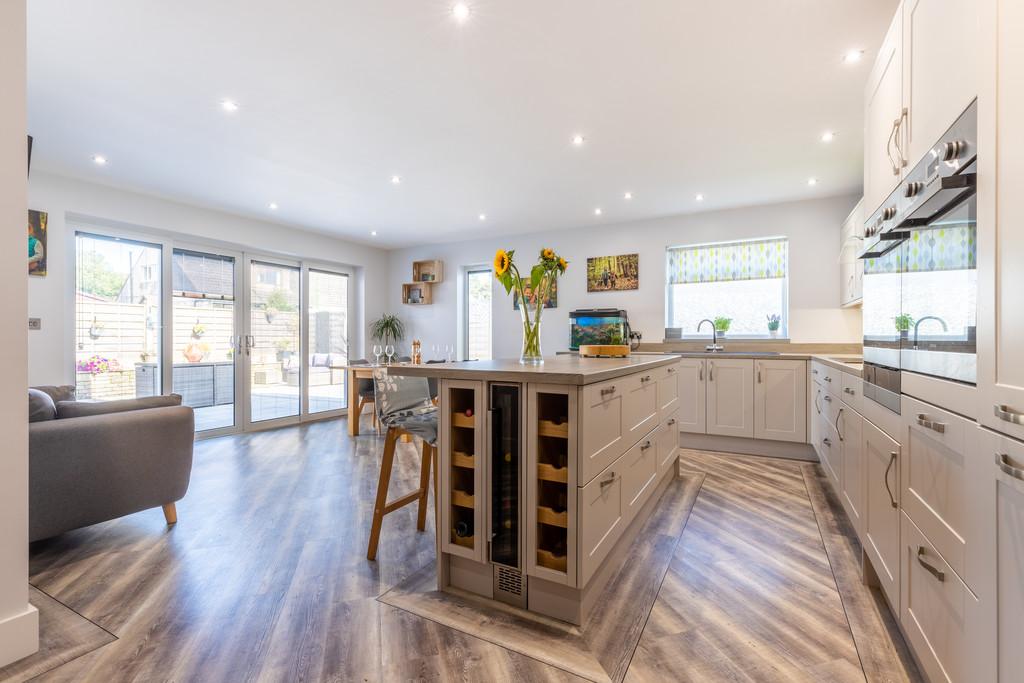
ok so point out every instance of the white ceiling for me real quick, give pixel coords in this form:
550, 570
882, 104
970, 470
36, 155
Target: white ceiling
674, 97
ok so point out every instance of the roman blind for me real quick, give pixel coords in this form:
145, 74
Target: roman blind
726, 262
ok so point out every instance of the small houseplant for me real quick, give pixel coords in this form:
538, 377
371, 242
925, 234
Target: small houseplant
903, 323
722, 325
388, 329
543, 277
774, 321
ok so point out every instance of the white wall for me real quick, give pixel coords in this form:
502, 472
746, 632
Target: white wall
19, 621
51, 350
811, 226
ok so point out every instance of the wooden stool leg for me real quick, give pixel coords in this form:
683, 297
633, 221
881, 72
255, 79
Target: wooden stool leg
421, 518
382, 493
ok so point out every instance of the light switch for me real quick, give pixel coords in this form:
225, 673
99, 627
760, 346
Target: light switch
35, 323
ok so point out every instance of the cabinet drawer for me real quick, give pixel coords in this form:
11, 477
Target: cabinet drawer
852, 391
601, 436
667, 390
943, 620
640, 406
826, 376
601, 520
938, 475
831, 453
639, 468
668, 443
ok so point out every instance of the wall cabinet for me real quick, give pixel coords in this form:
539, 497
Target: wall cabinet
730, 399
692, 416
851, 269
883, 112
881, 538
780, 400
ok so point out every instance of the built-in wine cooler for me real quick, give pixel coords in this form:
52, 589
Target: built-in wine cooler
505, 452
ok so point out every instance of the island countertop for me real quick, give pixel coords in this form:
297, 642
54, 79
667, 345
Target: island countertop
565, 369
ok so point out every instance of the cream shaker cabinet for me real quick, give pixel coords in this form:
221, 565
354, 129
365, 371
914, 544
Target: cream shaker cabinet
881, 538
731, 397
692, 375
883, 113
780, 400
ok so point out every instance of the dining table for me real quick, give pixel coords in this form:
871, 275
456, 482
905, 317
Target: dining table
354, 373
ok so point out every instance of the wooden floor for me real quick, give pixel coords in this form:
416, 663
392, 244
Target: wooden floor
265, 578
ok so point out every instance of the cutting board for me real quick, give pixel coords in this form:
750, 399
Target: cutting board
604, 350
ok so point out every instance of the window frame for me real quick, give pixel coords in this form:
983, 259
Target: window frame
467, 271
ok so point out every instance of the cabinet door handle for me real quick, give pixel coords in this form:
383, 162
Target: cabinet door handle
828, 398
1003, 461
827, 441
814, 371
816, 405
901, 160
711, 372
671, 422
645, 445
848, 390
758, 373
828, 379
932, 569
671, 370
888, 147
608, 390
608, 481
837, 424
645, 378
700, 377
1008, 414
892, 460
923, 420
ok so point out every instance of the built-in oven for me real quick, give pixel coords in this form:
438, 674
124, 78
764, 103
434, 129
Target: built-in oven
920, 271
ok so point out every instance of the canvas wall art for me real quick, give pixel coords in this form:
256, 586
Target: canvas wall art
37, 243
613, 273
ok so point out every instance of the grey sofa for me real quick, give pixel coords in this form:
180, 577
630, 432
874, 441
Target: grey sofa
92, 462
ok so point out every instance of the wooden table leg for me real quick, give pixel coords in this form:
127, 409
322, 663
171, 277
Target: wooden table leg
353, 402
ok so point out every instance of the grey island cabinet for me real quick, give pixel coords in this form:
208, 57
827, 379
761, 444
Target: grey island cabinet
546, 473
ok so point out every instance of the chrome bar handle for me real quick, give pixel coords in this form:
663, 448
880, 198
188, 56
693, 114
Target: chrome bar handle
899, 149
608, 390
645, 445
608, 481
1003, 461
816, 406
935, 571
711, 371
837, 424
828, 398
888, 147
923, 420
700, 377
892, 460
827, 441
1008, 414
758, 373
645, 378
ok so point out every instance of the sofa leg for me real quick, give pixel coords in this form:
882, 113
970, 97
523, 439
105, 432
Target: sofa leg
171, 514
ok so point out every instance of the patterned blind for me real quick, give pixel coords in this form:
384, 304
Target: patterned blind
951, 247
754, 260
205, 274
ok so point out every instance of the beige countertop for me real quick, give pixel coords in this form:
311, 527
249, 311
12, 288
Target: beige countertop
562, 369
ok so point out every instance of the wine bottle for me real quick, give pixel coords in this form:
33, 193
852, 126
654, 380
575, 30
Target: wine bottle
462, 529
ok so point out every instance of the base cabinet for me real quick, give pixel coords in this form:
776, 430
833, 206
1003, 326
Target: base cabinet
731, 397
881, 538
851, 435
780, 400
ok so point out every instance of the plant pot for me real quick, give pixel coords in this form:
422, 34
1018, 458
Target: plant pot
773, 334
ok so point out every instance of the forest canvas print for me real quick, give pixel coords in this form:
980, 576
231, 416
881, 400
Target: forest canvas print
613, 273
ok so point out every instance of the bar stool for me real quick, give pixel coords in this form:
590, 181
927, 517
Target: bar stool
403, 407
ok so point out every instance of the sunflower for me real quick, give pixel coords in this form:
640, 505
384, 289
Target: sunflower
562, 264
501, 262
547, 254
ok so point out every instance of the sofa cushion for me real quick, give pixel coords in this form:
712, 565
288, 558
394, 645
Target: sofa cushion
66, 409
40, 406
62, 392
335, 360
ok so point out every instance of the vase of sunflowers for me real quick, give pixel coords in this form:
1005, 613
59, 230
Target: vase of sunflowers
539, 284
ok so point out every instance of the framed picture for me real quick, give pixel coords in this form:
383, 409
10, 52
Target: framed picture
613, 273
550, 302
37, 243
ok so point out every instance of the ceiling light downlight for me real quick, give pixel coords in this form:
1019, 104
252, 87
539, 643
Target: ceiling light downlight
699, 197
853, 56
578, 140
460, 11
628, 196
229, 106
99, 160
812, 181
272, 206
597, 211
373, 233
828, 136
396, 180
482, 217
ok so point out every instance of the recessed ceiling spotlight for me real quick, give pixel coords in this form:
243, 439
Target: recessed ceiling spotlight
699, 197
578, 140
272, 206
853, 56
812, 181
99, 160
828, 136
230, 106
482, 216
597, 211
461, 12
627, 196
396, 180
373, 233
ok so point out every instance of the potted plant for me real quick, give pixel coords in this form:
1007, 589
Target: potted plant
774, 321
903, 324
722, 325
388, 329
284, 349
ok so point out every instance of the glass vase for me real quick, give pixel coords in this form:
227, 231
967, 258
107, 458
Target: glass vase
531, 354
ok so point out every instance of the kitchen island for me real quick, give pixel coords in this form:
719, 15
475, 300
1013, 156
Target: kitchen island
546, 473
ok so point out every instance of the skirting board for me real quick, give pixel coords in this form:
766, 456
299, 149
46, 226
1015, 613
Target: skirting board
733, 444
19, 635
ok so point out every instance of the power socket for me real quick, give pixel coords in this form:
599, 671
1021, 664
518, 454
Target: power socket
35, 323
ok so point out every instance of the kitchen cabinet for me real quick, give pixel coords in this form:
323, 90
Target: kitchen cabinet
730, 397
780, 400
1007, 548
640, 406
883, 113
1000, 236
851, 269
602, 519
463, 497
692, 375
667, 391
881, 539
850, 430
602, 437
938, 83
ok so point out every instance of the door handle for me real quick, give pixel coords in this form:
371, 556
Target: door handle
711, 372
892, 460
645, 378
888, 147
645, 445
1003, 461
1008, 414
816, 406
827, 441
700, 377
828, 398
608, 481
932, 569
923, 420
900, 159
758, 373
837, 424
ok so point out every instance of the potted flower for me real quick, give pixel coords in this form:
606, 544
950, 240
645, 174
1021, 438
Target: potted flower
542, 279
774, 321
198, 330
903, 324
722, 325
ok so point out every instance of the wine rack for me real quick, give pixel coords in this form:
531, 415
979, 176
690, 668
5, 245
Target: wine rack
462, 445
553, 485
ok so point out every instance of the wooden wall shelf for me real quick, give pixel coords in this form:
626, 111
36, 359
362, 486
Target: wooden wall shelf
425, 274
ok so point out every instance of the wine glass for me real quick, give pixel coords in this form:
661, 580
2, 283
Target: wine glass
377, 351
434, 351
449, 350
389, 350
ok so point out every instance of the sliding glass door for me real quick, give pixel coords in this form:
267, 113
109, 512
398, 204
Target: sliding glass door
273, 343
328, 340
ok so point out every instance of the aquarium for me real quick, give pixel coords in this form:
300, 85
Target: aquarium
598, 326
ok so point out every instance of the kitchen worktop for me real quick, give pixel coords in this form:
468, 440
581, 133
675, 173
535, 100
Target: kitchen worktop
562, 369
